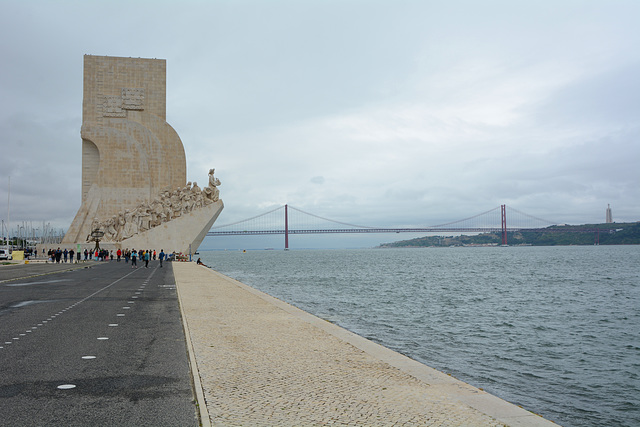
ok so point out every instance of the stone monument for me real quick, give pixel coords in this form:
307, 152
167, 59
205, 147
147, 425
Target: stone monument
134, 169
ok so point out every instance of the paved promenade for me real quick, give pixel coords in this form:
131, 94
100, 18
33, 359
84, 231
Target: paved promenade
262, 362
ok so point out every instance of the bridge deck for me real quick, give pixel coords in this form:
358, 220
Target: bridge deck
263, 362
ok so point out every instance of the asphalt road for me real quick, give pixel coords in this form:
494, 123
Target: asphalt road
94, 346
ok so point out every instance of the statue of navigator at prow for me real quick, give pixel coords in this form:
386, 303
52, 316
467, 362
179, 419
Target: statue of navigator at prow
211, 191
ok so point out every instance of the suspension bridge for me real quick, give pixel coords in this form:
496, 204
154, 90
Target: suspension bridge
287, 220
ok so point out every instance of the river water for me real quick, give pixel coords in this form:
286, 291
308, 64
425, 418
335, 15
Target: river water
553, 329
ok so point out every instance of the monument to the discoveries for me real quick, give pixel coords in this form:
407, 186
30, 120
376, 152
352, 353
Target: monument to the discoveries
134, 187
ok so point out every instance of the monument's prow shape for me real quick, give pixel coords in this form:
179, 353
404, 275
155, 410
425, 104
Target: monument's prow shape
133, 163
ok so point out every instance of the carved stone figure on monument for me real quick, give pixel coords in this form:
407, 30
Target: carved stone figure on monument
121, 224
207, 193
214, 182
185, 196
156, 211
95, 225
195, 189
176, 204
168, 210
130, 225
198, 201
144, 218
110, 232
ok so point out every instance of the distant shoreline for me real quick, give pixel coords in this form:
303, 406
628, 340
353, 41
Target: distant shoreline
558, 235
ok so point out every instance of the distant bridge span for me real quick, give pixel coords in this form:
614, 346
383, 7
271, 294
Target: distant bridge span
351, 230
278, 221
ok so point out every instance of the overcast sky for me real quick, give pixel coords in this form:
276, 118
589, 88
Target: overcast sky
382, 113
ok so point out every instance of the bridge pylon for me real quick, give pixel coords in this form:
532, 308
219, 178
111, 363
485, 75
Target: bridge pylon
286, 227
503, 214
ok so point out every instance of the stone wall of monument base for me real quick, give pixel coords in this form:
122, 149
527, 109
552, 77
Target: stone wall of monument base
181, 234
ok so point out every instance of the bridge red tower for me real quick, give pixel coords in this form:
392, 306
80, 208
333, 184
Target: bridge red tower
286, 227
503, 214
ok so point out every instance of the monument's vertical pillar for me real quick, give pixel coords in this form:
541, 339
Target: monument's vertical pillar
129, 152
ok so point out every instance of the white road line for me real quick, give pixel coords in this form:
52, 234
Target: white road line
66, 386
72, 305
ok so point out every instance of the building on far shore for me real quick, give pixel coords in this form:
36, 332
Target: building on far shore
609, 216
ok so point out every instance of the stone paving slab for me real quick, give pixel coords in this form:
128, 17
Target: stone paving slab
263, 362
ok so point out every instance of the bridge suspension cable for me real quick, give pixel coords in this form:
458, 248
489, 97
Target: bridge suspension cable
541, 220
247, 219
330, 220
466, 219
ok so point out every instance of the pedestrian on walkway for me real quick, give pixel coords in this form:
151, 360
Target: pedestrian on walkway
119, 254
161, 256
71, 252
147, 255
66, 254
134, 255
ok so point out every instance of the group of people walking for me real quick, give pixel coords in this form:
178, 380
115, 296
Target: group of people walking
144, 255
67, 255
58, 255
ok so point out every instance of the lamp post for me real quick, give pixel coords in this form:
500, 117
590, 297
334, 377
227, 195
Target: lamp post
96, 235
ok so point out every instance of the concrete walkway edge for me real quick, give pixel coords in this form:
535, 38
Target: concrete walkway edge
205, 420
478, 399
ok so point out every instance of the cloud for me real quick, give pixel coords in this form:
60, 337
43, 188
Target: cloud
317, 180
374, 113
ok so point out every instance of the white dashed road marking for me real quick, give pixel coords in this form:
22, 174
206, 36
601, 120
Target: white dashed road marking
66, 386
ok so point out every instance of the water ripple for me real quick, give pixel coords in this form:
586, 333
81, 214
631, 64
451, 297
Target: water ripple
556, 329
